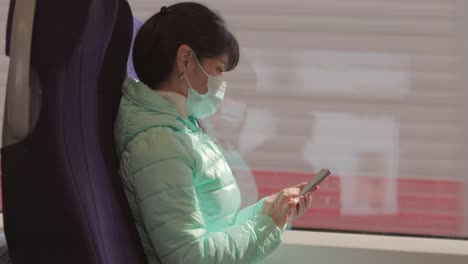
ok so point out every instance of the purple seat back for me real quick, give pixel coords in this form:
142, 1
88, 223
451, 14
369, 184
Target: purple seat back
63, 201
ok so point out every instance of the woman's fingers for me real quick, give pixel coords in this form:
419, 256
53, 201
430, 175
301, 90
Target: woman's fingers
283, 204
288, 208
282, 198
289, 203
287, 195
302, 206
293, 211
308, 200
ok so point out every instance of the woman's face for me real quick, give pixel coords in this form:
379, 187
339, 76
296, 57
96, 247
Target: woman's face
212, 66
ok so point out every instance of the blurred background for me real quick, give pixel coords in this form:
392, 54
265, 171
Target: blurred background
373, 90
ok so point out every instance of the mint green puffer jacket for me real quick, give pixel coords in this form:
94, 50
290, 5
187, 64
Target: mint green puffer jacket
183, 196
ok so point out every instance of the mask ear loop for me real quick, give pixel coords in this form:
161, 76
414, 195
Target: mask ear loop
199, 65
182, 76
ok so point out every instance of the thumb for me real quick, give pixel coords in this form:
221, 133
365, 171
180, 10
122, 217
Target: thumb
301, 185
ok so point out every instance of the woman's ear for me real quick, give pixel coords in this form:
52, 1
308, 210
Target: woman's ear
183, 56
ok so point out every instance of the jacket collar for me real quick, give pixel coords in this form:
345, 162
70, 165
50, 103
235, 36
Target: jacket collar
143, 96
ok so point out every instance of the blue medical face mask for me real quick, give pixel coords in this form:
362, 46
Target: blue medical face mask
204, 105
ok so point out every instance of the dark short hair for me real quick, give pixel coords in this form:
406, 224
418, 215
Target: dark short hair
193, 24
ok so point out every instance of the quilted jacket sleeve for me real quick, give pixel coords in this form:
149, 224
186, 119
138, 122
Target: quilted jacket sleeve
164, 188
249, 212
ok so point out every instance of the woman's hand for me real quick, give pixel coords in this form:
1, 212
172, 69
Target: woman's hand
304, 203
281, 205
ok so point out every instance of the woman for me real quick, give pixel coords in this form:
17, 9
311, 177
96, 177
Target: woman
183, 196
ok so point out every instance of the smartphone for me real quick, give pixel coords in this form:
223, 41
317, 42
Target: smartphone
315, 181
